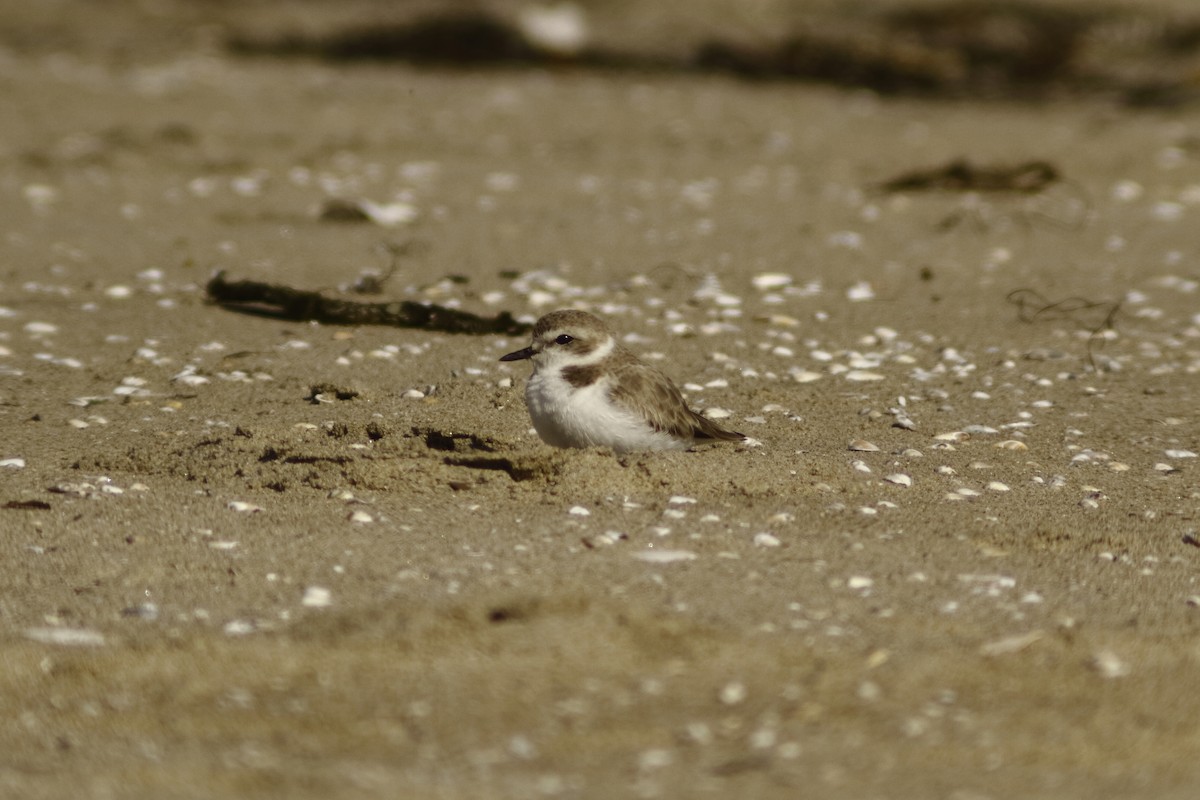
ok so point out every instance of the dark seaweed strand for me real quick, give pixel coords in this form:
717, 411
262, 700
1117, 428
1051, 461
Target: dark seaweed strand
285, 302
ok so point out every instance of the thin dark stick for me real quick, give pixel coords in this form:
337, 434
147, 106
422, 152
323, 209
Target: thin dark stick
285, 302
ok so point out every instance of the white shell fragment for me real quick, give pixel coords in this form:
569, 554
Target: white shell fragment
239, 627
1011, 644
770, 280
560, 28
860, 292
664, 556
899, 479
733, 693
70, 637
317, 597
1109, 665
40, 328
388, 215
804, 375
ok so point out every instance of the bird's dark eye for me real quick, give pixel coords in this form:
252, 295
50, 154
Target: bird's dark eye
564, 339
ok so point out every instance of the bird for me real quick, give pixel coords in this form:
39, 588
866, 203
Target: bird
588, 390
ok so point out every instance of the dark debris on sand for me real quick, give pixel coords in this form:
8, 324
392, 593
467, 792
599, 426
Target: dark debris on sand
284, 302
1012, 50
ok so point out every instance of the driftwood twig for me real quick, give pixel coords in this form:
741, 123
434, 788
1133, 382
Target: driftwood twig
1028, 177
285, 302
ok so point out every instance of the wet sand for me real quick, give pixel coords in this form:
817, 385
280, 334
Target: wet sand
959, 560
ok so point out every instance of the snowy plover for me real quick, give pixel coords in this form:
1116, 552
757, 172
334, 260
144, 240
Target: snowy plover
587, 390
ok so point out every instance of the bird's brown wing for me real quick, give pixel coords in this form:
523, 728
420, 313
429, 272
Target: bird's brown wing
707, 429
652, 395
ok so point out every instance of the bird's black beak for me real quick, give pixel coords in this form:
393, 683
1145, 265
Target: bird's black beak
519, 355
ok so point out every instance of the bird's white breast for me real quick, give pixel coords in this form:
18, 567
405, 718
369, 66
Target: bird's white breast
566, 416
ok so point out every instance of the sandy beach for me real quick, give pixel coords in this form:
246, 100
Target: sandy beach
248, 555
